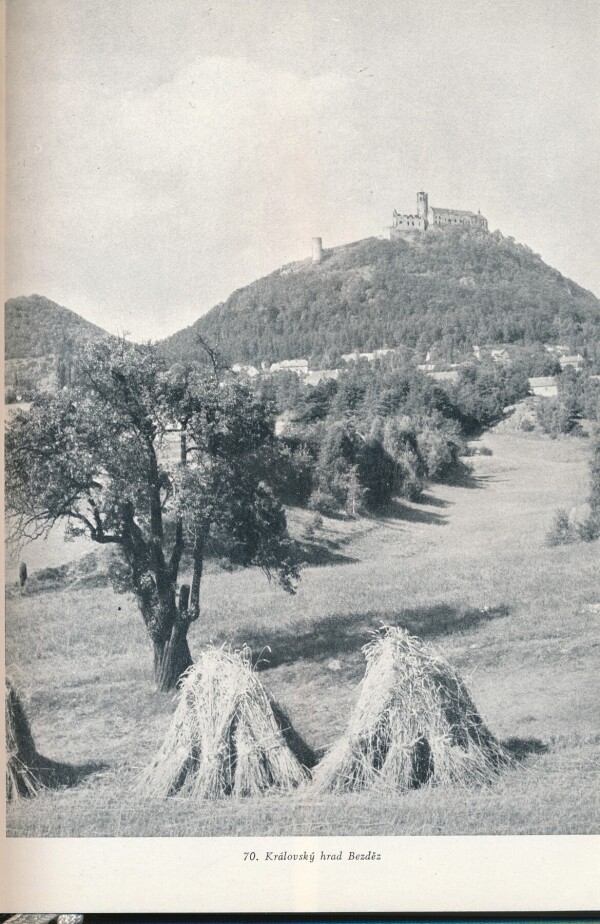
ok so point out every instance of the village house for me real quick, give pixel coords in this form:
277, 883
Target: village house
375, 354
250, 371
450, 377
544, 386
559, 349
299, 366
498, 355
321, 375
575, 361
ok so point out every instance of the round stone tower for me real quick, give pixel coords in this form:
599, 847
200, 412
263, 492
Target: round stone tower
317, 249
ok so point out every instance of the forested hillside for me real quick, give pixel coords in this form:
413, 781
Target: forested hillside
444, 293
36, 326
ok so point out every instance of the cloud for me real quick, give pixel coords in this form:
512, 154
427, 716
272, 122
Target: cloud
149, 175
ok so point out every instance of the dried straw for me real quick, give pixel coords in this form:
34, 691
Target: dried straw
413, 725
227, 737
27, 771
22, 758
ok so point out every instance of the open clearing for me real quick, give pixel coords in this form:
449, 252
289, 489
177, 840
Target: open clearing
466, 569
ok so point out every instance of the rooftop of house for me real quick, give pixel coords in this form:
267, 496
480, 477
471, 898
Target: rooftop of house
542, 381
449, 376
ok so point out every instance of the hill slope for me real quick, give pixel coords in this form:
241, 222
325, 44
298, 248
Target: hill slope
446, 291
35, 326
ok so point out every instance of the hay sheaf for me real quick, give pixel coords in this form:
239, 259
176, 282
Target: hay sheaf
21, 754
227, 737
414, 724
27, 771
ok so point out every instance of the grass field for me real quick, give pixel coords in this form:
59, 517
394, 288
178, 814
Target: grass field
467, 569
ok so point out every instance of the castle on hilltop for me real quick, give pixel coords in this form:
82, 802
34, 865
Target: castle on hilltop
429, 218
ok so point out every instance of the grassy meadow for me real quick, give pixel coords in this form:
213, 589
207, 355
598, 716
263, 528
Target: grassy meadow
467, 569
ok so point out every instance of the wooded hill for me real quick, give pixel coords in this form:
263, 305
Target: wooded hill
37, 326
444, 293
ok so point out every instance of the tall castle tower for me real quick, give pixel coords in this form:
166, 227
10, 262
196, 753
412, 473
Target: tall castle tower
423, 207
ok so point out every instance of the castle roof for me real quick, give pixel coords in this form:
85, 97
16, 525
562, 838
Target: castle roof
438, 211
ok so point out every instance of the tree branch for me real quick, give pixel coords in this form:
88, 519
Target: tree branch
217, 362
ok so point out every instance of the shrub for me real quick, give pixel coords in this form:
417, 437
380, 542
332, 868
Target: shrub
290, 473
401, 445
439, 444
562, 531
315, 523
595, 476
554, 417
591, 399
376, 473
589, 529
483, 391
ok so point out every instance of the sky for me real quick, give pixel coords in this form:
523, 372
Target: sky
162, 154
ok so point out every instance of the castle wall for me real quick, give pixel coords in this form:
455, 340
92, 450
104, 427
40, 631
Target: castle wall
432, 218
409, 222
453, 217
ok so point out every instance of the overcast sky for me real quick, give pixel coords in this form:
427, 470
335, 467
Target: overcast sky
162, 154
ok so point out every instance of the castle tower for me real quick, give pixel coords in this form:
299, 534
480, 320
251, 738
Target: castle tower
317, 249
423, 206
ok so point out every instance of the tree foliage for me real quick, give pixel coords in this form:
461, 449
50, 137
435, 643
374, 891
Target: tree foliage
442, 294
594, 498
156, 462
36, 326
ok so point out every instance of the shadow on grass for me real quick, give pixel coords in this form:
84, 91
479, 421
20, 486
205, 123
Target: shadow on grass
396, 510
27, 771
430, 500
521, 748
40, 773
464, 477
317, 555
461, 477
347, 633
57, 775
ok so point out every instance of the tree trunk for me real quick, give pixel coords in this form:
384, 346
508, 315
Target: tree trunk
172, 658
154, 584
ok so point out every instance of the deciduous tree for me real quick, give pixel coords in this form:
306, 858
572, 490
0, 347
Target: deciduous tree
154, 462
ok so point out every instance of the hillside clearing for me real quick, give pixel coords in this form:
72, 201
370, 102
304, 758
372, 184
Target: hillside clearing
467, 569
